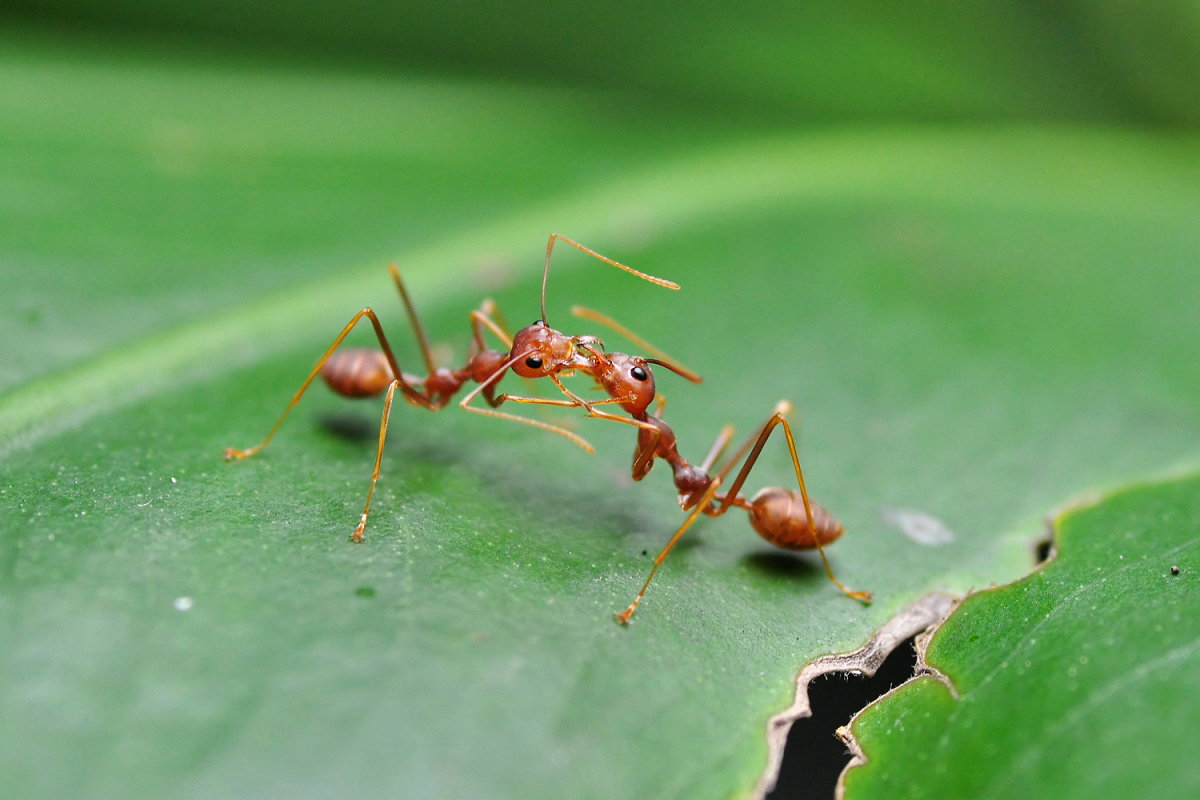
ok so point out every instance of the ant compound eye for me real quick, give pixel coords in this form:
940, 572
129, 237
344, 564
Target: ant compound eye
533, 362
639, 373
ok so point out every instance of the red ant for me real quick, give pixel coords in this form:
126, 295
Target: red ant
783, 517
540, 351
535, 351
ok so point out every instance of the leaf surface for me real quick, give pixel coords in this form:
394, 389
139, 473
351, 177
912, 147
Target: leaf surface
971, 324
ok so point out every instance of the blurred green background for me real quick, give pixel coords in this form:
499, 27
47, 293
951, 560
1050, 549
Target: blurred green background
816, 62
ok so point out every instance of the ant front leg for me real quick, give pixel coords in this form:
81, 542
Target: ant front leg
357, 536
587, 405
465, 405
643, 457
411, 394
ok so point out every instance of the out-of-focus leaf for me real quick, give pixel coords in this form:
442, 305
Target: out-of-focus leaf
137, 193
817, 61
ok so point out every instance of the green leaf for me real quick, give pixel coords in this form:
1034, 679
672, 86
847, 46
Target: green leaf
971, 324
1078, 681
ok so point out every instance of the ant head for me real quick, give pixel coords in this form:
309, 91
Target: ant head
628, 379
546, 351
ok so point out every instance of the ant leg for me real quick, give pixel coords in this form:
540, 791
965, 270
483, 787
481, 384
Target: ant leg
357, 536
778, 418
648, 426
758, 440
489, 316
492, 309
416, 322
624, 616
643, 459
545, 401
592, 412
482, 319
465, 405
411, 394
718, 447
663, 359
782, 407
550, 248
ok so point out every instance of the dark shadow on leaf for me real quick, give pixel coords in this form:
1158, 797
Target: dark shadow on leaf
443, 452
781, 565
350, 426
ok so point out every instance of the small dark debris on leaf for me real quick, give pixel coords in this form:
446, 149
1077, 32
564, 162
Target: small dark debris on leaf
365, 591
1174, 570
645, 552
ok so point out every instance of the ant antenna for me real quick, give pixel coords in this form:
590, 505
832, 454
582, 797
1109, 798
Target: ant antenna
546, 273
666, 361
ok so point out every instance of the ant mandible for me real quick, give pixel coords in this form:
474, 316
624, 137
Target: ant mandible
784, 517
535, 351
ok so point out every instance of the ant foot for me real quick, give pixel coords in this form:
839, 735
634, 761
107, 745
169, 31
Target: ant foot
623, 617
232, 453
864, 597
357, 536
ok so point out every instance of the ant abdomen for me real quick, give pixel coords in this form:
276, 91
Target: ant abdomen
778, 516
357, 372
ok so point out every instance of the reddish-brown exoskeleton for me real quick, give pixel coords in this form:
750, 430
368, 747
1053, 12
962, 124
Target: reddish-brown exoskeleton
535, 351
784, 517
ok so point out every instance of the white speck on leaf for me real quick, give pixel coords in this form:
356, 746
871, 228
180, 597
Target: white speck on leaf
921, 528
183, 603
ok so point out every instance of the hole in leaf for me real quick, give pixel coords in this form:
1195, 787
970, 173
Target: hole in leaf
814, 756
1043, 551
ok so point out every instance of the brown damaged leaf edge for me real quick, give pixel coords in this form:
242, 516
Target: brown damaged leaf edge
922, 669
920, 618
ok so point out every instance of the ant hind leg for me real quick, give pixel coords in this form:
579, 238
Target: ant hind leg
731, 497
411, 394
